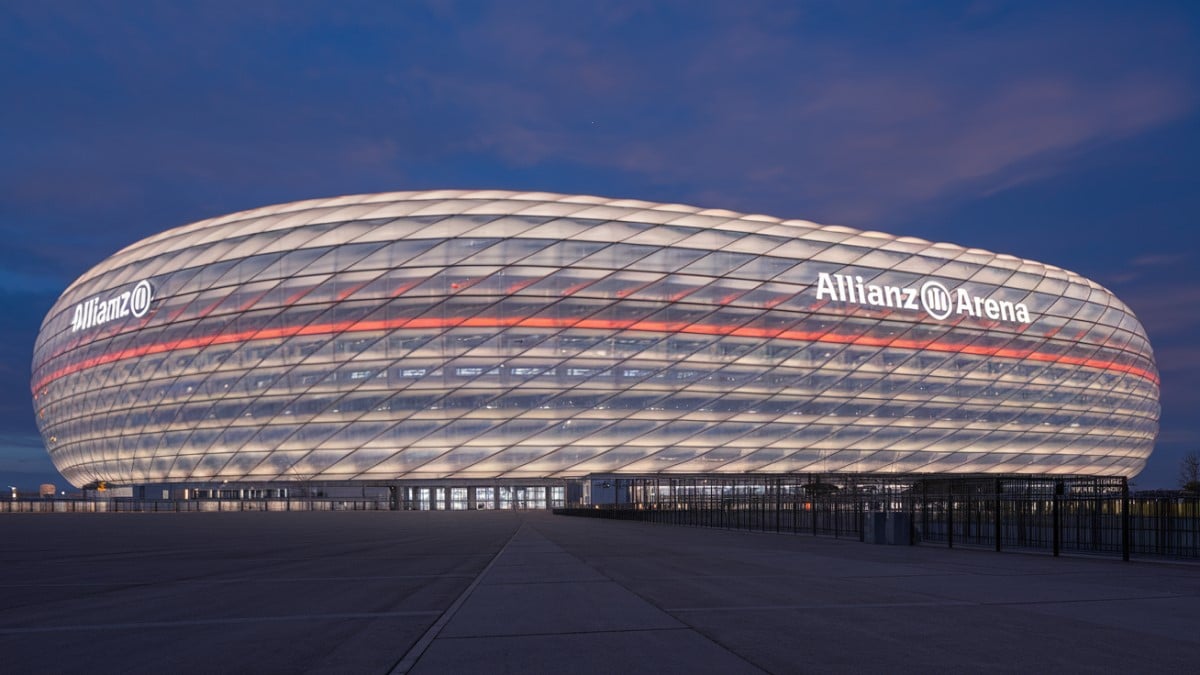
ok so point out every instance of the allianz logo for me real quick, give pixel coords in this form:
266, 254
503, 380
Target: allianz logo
96, 311
933, 297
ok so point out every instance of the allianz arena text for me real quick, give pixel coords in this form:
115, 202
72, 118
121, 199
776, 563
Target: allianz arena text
497, 335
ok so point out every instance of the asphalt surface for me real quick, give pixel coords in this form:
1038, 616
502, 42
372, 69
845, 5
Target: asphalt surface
500, 592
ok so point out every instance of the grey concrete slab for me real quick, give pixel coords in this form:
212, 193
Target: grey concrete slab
517, 597
562, 615
733, 591
314, 644
537, 572
531, 592
1032, 588
240, 592
802, 604
554, 607
1169, 617
962, 639
669, 651
191, 602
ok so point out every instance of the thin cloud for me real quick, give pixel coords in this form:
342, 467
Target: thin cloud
855, 131
1159, 259
1165, 314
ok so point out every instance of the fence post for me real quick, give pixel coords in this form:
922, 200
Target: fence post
912, 519
778, 502
812, 499
949, 515
968, 512
998, 529
1058, 486
1125, 519
859, 515
925, 508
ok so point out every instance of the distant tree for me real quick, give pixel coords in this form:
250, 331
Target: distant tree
1189, 472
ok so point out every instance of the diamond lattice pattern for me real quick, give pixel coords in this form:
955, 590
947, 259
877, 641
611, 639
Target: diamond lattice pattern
490, 334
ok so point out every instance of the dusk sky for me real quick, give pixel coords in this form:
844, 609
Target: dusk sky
1067, 133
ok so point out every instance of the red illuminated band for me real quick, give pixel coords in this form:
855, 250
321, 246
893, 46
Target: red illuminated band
591, 324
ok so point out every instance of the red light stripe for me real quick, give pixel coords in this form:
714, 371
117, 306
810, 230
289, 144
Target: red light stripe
464, 284
575, 288
775, 301
175, 315
352, 290
725, 300
682, 294
250, 303
405, 287
208, 310
521, 285
590, 324
295, 297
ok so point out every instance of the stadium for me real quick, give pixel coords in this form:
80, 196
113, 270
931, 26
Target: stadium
481, 343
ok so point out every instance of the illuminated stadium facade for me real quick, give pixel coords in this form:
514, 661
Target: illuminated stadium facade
497, 336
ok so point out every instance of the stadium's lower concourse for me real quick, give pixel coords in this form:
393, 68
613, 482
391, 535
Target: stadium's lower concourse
532, 592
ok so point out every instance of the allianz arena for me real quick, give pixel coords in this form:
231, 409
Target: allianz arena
488, 335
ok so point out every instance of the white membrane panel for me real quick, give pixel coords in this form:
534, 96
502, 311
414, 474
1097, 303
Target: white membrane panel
455, 334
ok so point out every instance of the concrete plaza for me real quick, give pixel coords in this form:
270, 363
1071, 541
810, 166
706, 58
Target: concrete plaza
462, 592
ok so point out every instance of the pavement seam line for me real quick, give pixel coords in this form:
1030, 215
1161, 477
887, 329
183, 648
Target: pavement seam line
1075, 601
211, 622
865, 605
554, 583
414, 653
685, 624
243, 580
492, 636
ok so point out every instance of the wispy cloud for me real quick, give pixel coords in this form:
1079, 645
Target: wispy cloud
857, 129
22, 453
1163, 291
1159, 259
830, 113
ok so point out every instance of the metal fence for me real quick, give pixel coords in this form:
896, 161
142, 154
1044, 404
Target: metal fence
1077, 515
188, 505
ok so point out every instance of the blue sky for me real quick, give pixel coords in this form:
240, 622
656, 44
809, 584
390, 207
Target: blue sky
1063, 132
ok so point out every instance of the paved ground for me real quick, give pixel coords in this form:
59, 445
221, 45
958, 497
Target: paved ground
506, 592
